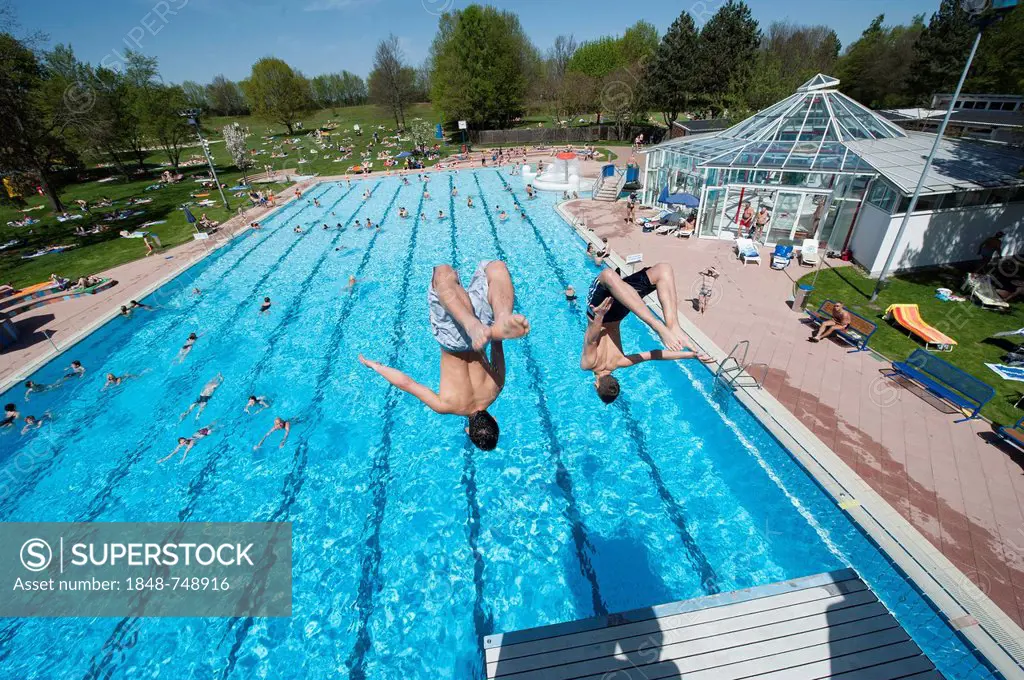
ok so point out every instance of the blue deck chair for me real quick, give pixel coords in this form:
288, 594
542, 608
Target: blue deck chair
782, 256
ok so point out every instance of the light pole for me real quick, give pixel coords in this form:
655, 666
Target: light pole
193, 118
973, 8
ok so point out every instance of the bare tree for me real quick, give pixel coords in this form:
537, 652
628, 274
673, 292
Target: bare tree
391, 80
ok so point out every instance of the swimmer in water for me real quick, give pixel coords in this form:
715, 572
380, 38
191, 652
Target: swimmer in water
351, 282
32, 421
77, 370
455, 191
297, 229
125, 312
117, 380
258, 403
469, 202
503, 216
187, 347
188, 443
135, 304
570, 293
522, 214
204, 397
279, 424
440, 214
358, 225
426, 195
35, 388
196, 291
11, 415
265, 306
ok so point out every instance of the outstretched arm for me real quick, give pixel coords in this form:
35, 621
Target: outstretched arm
407, 384
287, 430
171, 454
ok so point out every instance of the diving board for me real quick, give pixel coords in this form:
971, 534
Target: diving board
823, 626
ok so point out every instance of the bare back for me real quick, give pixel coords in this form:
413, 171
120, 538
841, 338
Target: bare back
469, 383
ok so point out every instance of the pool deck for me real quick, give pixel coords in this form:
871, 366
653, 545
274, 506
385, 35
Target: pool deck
955, 483
823, 626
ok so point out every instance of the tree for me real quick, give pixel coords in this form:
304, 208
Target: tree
225, 97
163, 122
941, 51
726, 56
277, 93
999, 64
482, 65
391, 80
234, 140
670, 71
32, 147
560, 54
615, 67
875, 68
195, 95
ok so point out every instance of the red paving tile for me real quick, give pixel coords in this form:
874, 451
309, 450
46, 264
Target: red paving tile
962, 492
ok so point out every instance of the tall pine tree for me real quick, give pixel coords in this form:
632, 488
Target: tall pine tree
726, 56
940, 52
670, 71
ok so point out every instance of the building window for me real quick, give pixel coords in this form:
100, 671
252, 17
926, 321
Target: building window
883, 195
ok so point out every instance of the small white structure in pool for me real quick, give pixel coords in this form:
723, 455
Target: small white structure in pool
560, 175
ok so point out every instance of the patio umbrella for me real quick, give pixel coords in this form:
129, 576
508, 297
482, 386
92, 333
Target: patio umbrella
684, 199
189, 217
404, 154
566, 155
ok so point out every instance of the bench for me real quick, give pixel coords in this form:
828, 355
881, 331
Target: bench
945, 381
1014, 435
857, 334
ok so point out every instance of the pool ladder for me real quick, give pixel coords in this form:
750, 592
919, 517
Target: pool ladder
734, 366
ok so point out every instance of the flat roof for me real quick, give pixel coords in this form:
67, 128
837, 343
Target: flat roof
707, 125
958, 166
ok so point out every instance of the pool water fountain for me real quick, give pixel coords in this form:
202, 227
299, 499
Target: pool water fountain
563, 174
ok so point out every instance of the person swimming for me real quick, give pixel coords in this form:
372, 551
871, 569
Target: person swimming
32, 421
297, 229
426, 195
187, 347
135, 304
189, 442
204, 397
358, 225
77, 370
570, 293
455, 191
11, 415
440, 214
36, 388
265, 306
469, 202
116, 381
351, 282
125, 312
259, 403
503, 216
279, 424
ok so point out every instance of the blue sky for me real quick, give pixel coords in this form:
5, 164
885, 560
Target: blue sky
197, 39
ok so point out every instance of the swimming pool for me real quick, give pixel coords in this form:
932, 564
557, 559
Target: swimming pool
410, 544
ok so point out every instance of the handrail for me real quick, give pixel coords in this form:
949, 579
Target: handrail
740, 366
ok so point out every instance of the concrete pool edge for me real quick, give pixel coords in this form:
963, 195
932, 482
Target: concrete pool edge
965, 606
88, 329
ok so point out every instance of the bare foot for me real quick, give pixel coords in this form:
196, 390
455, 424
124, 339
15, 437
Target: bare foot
479, 335
509, 327
672, 338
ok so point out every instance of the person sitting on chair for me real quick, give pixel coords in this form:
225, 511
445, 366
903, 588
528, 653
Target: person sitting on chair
839, 322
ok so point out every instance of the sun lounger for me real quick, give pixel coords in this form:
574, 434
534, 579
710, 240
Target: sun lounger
981, 289
684, 231
809, 255
909, 317
782, 256
666, 229
747, 251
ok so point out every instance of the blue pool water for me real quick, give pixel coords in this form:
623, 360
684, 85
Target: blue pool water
409, 544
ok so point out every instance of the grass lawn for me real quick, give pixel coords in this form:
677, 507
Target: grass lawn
95, 253
967, 323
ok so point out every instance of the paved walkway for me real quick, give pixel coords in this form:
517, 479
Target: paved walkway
957, 486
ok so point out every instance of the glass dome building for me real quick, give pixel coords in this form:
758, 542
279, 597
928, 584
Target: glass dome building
817, 161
